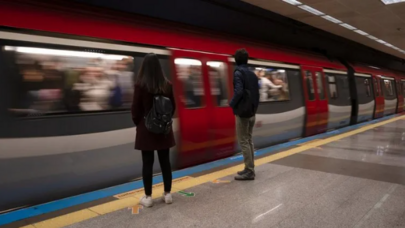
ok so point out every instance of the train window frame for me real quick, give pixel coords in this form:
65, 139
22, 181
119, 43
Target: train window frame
377, 88
382, 87
258, 68
321, 88
203, 96
15, 110
311, 88
224, 82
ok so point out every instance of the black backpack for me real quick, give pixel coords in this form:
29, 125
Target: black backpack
159, 119
245, 107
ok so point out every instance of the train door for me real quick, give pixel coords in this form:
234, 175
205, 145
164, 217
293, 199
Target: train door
316, 101
400, 96
379, 98
207, 124
403, 94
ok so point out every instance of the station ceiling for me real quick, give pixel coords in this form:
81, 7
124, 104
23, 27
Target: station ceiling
238, 18
371, 22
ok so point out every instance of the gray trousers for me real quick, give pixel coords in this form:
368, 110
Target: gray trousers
244, 129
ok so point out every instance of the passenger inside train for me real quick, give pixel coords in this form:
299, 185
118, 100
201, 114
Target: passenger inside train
56, 81
273, 84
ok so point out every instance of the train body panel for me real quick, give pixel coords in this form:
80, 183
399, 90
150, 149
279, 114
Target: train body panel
316, 101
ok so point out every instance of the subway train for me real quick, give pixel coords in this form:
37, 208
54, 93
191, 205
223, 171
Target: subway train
66, 87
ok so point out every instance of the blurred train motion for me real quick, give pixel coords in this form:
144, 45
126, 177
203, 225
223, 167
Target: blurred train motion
66, 90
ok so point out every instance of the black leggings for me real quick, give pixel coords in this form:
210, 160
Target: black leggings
148, 158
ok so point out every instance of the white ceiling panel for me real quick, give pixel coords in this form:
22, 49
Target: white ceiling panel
373, 17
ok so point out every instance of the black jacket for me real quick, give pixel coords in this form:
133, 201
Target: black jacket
239, 84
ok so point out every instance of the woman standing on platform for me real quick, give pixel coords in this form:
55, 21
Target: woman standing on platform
150, 82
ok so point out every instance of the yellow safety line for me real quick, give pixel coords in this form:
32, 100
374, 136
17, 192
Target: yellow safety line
130, 199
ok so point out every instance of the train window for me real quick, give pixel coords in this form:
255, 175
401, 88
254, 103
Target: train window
190, 76
345, 82
52, 81
332, 87
377, 89
310, 85
320, 84
399, 89
273, 83
367, 87
388, 87
218, 73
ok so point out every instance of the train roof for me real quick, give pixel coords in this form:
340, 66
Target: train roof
148, 32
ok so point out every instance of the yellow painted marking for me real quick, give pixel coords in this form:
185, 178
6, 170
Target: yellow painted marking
136, 209
218, 181
67, 219
131, 199
115, 205
28, 226
305, 143
141, 190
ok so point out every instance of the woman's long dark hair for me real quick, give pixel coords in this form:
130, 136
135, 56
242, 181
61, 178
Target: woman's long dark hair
151, 75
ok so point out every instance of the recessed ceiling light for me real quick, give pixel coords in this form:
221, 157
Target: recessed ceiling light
348, 26
311, 10
332, 19
293, 2
388, 2
361, 32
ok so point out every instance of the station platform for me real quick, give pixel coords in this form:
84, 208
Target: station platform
352, 177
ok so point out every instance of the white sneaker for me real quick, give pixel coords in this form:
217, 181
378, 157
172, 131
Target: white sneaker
167, 198
146, 201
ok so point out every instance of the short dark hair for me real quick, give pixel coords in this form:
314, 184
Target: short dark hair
241, 56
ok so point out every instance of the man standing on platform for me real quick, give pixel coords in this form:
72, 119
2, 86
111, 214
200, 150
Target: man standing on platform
244, 103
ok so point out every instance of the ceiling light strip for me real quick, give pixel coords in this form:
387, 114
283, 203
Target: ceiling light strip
345, 25
388, 2
360, 32
348, 26
332, 19
311, 10
293, 2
